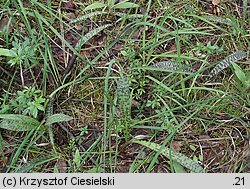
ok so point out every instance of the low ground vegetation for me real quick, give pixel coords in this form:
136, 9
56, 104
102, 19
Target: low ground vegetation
124, 86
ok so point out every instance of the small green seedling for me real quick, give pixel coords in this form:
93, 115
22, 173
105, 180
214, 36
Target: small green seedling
22, 53
28, 102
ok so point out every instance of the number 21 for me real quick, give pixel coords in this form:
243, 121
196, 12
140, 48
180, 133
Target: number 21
239, 181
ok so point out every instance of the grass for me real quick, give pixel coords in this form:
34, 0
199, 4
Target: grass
158, 87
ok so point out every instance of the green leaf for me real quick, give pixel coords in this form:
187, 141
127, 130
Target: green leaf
178, 157
90, 15
171, 65
178, 168
96, 170
125, 5
129, 16
16, 122
57, 118
123, 100
95, 5
7, 52
89, 35
219, 19
55, 169
77, 158
239, 73
238, 55
192, 147
168, 65
111, 2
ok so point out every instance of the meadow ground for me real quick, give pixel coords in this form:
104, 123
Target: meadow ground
125, 86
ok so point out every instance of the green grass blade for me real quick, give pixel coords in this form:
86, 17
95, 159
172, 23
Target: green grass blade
105, 102
27, 167
20, 149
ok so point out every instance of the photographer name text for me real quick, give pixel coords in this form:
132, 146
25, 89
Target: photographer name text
66, 181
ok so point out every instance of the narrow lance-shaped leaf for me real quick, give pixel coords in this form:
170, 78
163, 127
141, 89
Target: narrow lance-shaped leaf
49, 108
77, 158
238, 55
178, 157
89, 35
123, 96
49, 112
219, 19
129, 16
7, 52
170, 65
16, 122
125, 5
239, 73
90, 15
178, 168
95, 5
57, 118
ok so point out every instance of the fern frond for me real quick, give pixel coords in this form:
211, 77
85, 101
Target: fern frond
238, 55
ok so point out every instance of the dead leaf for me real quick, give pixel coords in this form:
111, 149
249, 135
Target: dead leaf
61, 165
215, 2
215, 5
4, 23
143, 10
116, 48
5, 161
176, 145
69, 6
172, 49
